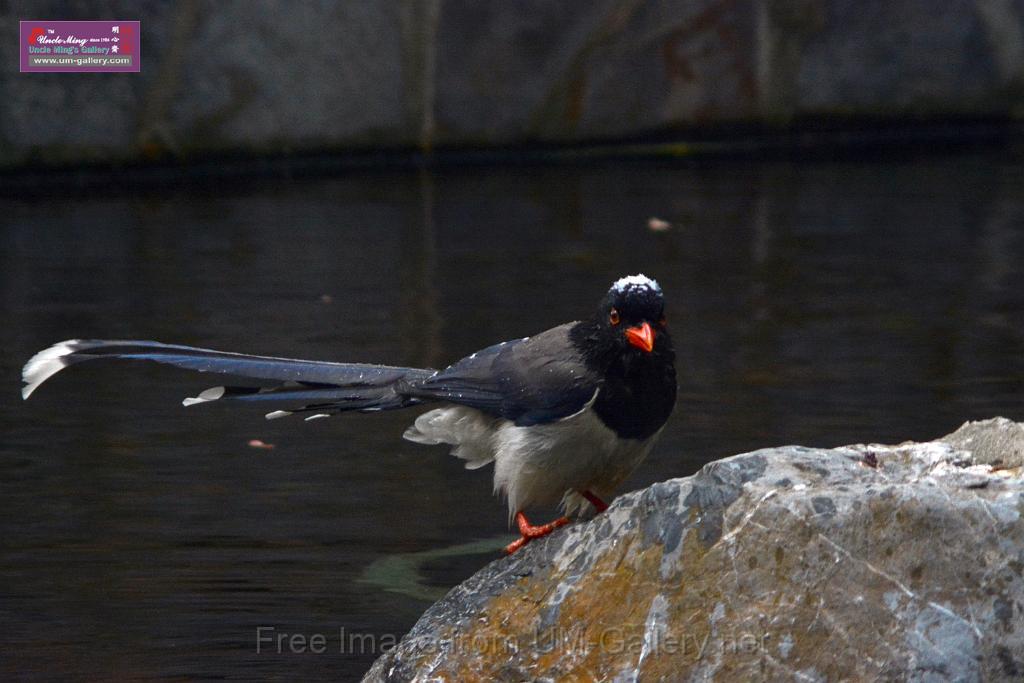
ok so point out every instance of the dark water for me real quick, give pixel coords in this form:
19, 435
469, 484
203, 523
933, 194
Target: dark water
820, 304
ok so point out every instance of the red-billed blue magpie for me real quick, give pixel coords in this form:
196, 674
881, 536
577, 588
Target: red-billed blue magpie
564, 416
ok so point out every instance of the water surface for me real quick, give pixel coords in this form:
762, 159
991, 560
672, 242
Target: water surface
818, 304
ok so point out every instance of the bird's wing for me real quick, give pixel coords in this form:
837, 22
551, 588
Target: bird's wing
529, 381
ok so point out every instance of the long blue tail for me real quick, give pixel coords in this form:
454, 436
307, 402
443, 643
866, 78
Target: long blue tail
327, 388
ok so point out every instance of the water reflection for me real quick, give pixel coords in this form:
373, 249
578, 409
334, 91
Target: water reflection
420, 311
820, 304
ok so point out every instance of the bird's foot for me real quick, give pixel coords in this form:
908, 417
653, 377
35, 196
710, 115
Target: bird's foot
599, 505
528, 532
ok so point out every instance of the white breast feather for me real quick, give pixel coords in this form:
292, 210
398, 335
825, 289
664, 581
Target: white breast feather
539, 464
545, 464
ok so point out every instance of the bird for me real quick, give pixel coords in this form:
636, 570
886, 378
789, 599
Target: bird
565, 415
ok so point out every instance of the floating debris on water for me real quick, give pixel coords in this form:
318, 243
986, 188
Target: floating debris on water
658, 225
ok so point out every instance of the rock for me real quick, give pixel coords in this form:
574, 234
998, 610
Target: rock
279, 78
865, 562
997, 442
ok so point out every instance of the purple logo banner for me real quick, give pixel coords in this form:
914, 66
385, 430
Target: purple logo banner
80, 46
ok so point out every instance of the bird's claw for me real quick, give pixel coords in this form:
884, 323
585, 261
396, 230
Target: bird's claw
528, 531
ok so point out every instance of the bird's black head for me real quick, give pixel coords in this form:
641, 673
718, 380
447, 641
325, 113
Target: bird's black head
632, 315
628, 344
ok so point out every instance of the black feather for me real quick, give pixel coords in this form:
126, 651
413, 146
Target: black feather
529, 381
341, 386
242, 365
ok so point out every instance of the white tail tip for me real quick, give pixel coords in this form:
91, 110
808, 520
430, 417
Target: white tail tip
211, 394
45, 365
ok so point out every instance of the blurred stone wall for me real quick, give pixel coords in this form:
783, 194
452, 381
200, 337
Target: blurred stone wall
275, 76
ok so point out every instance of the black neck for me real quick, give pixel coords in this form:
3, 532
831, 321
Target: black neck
639, 389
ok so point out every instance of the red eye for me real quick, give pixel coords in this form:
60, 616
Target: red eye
613, 317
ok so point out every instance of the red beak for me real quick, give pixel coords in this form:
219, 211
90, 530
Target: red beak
641, 337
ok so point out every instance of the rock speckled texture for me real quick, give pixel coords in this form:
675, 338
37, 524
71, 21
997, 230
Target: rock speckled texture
866, 562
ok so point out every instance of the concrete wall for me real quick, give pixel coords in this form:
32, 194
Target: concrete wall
275, 76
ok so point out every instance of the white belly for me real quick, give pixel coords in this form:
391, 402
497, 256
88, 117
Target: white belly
541, 464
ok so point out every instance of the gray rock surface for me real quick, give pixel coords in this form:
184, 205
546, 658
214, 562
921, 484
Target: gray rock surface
866, 562
274, 76
997, 442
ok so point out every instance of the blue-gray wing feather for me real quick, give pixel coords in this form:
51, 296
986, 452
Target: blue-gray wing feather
529, 381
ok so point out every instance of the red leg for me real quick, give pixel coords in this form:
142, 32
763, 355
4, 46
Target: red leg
598, 504
528, 532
